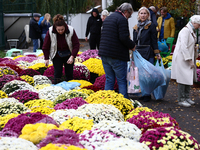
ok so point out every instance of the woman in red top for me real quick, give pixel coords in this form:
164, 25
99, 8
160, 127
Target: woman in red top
61, 45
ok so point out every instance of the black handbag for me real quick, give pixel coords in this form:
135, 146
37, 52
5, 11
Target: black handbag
64, 53
144, 51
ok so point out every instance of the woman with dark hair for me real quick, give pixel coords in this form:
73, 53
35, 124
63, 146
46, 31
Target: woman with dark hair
144, 33
61, 45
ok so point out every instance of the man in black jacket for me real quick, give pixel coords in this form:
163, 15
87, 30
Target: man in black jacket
34, 30
114, 47
94, 28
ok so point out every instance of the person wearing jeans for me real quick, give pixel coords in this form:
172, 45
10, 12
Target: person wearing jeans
114, 47
61, 45
115, 68
34, 30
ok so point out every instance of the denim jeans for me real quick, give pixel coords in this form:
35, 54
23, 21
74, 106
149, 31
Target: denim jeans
115, 68
58, 63
35, 44
43, 36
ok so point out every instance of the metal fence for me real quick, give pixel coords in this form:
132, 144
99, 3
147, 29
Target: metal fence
17, 6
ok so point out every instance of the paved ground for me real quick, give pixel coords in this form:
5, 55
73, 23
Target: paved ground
188, 118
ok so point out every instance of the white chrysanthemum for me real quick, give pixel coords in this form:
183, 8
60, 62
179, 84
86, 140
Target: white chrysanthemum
13, 143
123, 144
61, 116
99, 112
123, 129
51, 92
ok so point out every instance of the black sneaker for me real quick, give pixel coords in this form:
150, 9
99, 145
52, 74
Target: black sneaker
147, 98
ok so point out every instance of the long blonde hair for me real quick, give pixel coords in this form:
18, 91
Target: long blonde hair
47, 17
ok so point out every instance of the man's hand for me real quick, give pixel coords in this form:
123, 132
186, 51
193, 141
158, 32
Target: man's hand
70, 60
191, 63
158, 56
86, 39
47, 63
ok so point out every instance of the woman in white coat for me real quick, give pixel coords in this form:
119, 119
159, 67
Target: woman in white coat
184, 60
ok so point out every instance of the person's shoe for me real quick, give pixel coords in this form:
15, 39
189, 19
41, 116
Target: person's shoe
184, 104
141, 98
147, 98
190, 101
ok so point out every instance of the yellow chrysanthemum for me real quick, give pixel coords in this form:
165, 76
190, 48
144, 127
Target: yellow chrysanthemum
77, 124
83, 83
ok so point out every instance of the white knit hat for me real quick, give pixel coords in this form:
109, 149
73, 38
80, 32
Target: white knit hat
195, 19
105, 13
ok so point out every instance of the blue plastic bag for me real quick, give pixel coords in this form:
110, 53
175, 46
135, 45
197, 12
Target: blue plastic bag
159, 92
162, 46
150, 77
67, 85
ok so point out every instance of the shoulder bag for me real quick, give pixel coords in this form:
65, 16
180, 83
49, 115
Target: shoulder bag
65, 53
144, 50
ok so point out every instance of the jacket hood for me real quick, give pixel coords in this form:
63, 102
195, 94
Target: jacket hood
168, 16
95, 10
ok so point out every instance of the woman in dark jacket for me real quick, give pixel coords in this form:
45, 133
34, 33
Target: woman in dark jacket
144, 33
61, 45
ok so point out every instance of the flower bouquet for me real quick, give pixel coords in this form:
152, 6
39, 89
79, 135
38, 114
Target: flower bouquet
89, 54
40, 67
28, 79
81, 72
92, 87
26, 58
101, 81
50, 71
8, 61
69, 95
13, 66
39, 103
86, 91
61, 147
82, 82
111, 98
42, 109
122, 129
92, 139
73, 103
15, 85
95, 66
36, 132
25, 95
169, 138
8, 71
10, 99
136, 111
11, 107
16, 124
77, 124
66, 136
3, 95
40, 79
61, 116
99, 112
41, 86
51, 92
123, 144
13, 143
147, 120
79, 59
29, 72
6, 118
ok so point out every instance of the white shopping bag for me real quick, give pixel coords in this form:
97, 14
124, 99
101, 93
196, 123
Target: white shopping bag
133, 79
